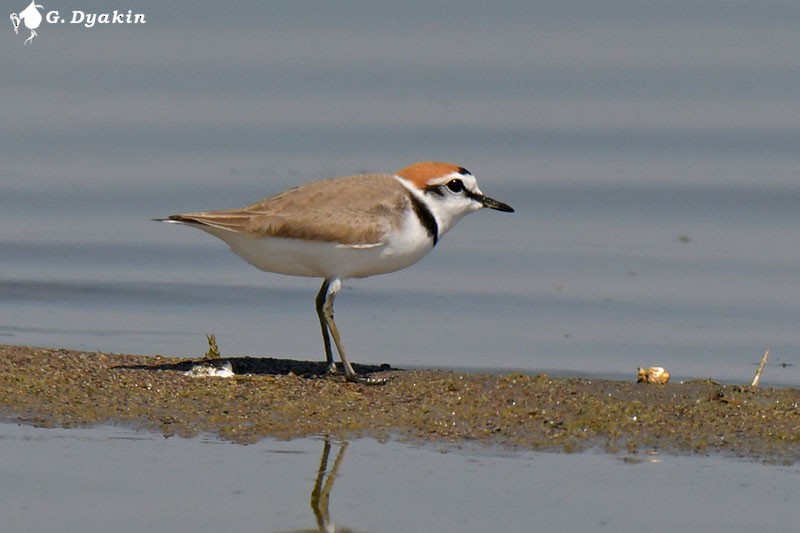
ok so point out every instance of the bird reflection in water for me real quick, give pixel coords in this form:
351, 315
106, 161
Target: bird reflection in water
321, 493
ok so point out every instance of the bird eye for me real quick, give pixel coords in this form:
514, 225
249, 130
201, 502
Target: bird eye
455, 185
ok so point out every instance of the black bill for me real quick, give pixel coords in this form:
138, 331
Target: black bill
491, 203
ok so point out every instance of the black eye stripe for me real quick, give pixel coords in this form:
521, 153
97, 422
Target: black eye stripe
471, 195
437, 190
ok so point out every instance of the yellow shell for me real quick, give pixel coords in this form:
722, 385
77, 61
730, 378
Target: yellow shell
654, 374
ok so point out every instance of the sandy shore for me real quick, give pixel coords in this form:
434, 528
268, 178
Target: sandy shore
286, 399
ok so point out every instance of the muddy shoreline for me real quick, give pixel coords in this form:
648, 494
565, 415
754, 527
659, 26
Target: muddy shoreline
286, 399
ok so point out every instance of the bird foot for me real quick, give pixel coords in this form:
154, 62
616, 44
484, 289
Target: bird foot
364, 379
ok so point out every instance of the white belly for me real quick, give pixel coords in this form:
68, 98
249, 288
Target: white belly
295, 257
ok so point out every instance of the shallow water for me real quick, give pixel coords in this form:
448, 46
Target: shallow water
651, 153
104, 479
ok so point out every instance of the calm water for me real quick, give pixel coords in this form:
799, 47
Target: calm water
651, 150
109, 479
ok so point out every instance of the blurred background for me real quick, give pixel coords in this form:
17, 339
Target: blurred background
651, 150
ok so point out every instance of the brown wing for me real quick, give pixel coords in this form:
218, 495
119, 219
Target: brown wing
353, 210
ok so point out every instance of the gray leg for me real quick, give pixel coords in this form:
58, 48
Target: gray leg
326, 339
325, 298
332, 287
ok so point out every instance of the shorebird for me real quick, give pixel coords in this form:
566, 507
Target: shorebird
348, 227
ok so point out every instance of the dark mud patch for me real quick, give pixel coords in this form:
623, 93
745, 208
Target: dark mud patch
285, 399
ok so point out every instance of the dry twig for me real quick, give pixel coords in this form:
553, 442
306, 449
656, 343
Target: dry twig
760, 369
